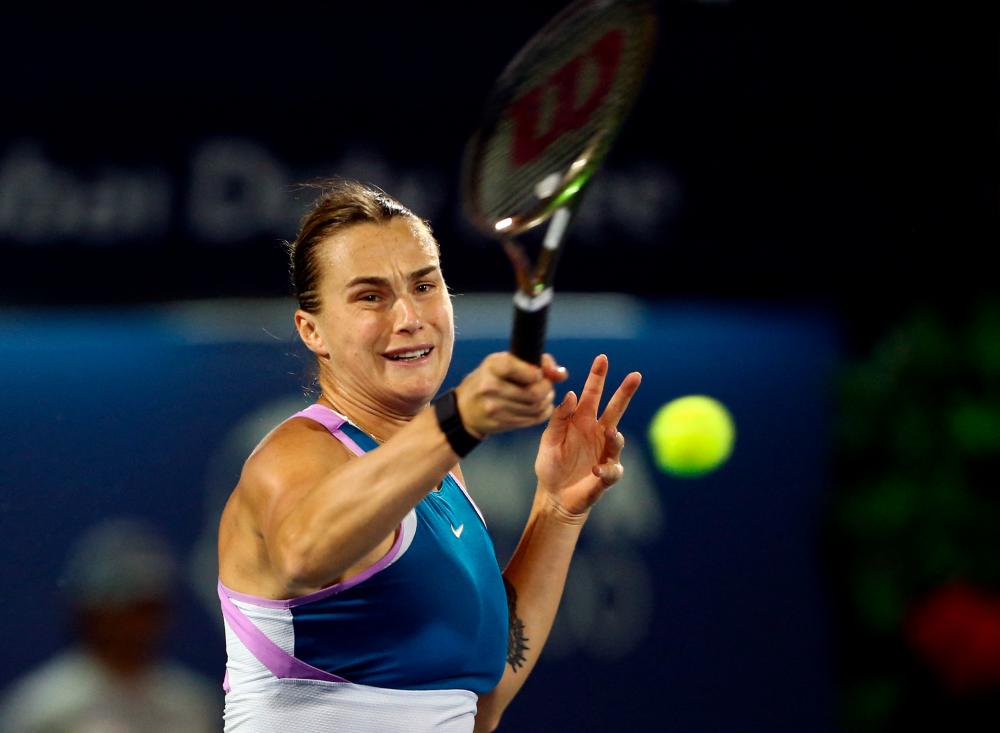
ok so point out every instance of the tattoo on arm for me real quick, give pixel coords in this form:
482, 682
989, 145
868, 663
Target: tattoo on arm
516, 639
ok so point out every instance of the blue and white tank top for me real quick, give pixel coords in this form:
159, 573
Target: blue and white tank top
407, 644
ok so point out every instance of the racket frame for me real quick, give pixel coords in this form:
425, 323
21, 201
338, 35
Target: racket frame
558, 204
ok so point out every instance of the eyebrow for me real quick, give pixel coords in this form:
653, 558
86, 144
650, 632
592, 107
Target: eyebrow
384, 282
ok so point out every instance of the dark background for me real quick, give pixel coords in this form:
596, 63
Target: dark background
835, 151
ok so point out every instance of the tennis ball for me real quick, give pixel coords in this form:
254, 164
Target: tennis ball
691, 436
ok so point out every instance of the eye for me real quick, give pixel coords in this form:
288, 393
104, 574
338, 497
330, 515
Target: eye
370, 297
425, 287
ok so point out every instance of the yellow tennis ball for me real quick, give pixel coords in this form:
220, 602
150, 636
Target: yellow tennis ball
691, 436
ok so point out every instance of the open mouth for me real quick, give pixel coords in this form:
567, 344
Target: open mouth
413, 354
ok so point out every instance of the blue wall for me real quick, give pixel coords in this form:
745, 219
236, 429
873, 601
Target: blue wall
693, 605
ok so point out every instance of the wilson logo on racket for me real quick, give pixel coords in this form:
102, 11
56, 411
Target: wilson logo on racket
570, 113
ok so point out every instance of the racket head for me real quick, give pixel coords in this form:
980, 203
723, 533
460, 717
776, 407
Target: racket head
554, 112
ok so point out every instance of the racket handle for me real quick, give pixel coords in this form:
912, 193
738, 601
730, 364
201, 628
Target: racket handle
531, 315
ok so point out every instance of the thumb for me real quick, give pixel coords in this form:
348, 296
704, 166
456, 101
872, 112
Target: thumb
559, 422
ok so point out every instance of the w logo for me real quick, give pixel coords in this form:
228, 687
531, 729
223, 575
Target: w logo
569, 112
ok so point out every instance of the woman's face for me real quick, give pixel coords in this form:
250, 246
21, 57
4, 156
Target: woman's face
386, 318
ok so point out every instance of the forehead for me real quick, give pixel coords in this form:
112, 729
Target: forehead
380, 250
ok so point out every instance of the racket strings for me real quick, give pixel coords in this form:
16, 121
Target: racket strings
612, 45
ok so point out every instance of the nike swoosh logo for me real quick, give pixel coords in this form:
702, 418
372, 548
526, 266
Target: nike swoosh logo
458, 532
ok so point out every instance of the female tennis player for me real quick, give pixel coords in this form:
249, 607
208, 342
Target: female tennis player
358, 583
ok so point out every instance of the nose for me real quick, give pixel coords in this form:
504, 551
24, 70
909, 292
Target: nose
407, 318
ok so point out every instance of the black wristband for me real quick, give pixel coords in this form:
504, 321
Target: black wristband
450, 422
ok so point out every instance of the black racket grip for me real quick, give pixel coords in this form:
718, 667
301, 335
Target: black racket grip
531, 315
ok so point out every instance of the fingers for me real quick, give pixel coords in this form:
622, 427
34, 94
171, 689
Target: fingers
610, 473
505, 392
523, 383
498, 407
590, 396
611, 469
620, 399
614, 443
552, 371
506, 405
531, 394
569, 404
560, 420
508, 367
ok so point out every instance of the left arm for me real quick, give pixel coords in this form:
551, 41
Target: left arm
578, 459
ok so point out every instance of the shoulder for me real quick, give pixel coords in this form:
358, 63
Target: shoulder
284, 466
295, 451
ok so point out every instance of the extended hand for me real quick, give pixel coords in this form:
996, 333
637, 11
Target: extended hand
579, 454
504, 393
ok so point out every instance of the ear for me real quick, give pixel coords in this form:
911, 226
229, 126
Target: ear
308, 328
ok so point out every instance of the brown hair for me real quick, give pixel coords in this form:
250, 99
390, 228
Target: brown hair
342, 203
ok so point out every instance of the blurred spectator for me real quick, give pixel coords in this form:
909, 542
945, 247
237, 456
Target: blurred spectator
118, 582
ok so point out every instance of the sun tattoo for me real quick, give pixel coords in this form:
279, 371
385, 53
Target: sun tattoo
516, 639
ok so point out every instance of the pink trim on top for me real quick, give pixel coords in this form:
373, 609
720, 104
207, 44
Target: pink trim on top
332, 421
348, 442
279, 662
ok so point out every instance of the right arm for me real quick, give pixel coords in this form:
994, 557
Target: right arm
319, 512
318, 523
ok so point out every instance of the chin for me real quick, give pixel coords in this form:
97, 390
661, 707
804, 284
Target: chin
415, 396
415, 387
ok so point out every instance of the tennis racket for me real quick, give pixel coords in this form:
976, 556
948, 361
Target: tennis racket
547, 126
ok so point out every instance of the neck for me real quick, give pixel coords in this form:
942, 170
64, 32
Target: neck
377, 421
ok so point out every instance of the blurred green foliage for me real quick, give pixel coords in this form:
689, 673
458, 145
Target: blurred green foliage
916, 503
